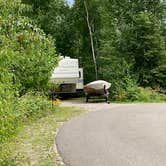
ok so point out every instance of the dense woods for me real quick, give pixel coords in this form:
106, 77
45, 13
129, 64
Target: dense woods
122, 42
128, 40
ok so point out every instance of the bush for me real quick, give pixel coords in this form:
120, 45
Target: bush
129, 91
20, 110
149, 95
31, 104
27, 57
140, 94
124, 88
26, 52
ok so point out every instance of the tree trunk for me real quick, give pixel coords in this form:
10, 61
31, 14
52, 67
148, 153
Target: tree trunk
91, 39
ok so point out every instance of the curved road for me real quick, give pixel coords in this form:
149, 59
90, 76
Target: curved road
132, 135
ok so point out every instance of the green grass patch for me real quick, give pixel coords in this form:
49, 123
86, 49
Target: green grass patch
33, 145
140, 95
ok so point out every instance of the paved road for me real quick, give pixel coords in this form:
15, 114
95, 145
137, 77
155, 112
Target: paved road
124, 136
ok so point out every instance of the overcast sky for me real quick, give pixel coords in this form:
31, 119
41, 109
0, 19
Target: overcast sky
70, 2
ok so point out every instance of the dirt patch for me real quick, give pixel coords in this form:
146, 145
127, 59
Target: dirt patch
91, 106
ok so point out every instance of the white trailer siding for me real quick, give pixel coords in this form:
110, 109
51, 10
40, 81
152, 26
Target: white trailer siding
66, 72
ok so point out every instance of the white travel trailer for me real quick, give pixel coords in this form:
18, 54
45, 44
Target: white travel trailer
68, 75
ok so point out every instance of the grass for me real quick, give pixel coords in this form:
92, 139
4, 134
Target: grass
34, 142
102, 100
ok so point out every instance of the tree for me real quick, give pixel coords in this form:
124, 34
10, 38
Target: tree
116, 39
139, 39
27, 57
54, 17
82, 46
91, 39
31, 54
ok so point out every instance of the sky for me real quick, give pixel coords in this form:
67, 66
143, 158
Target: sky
70, 2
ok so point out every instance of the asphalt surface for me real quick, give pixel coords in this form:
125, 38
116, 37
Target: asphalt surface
124, 136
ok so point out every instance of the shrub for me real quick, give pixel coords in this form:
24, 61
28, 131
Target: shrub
149, 95
30, 54
140, 94
124, 89
32, 104
27, 57
127, 89
13, 113
7, 117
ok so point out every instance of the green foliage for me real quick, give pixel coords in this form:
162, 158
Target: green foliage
126, 89
32, 143
159, 75
129, 42
54, 17
139, 94
21, 110
144, 46
149, 95
32, 53
32, 104
27, 57
129, 38
7, 118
